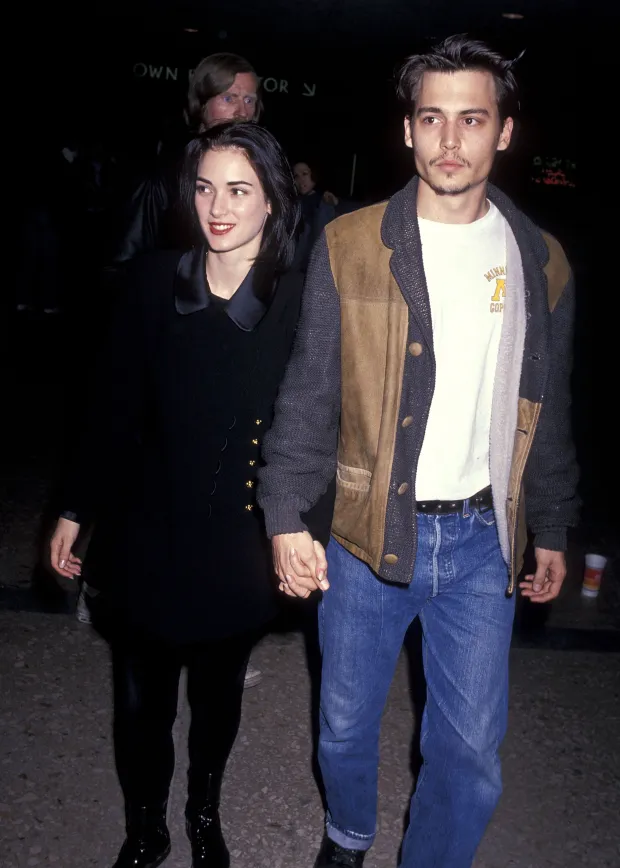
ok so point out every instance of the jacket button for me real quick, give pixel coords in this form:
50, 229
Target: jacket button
407, 421
254, 442
415, 348
402, 489
391, 559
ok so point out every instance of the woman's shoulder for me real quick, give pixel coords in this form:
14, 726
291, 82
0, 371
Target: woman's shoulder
288, 294
291, 282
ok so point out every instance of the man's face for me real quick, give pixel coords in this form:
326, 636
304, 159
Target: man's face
238, 103
455, 131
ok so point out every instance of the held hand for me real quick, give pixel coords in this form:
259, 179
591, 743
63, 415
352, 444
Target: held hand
62, 558
300, 564
546, 583
330, 199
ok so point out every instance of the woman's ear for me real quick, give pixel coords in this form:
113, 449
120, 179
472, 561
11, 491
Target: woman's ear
268, 207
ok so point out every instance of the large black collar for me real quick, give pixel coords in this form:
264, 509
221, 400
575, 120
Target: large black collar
192, 293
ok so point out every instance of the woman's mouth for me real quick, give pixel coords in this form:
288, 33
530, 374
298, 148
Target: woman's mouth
221, 228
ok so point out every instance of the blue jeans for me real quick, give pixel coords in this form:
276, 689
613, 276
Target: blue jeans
459, 592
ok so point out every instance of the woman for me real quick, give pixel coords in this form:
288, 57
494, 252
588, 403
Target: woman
317, 210
168, 467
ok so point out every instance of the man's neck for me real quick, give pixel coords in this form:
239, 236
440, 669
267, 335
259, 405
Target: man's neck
464, 208
227, 271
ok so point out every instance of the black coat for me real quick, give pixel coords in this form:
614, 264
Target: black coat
168, 464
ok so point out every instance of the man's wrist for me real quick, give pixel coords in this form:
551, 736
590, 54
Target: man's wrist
553, 539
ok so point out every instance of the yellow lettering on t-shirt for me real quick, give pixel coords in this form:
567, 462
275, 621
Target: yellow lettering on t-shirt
500, 289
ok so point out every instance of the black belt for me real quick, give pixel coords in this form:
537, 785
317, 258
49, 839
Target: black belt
482, 500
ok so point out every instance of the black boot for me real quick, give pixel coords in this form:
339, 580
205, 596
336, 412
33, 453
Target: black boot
332, 855
202, 822
147, 843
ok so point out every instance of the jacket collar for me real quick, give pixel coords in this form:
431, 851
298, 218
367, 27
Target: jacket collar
400, 221
400, 232
192, 293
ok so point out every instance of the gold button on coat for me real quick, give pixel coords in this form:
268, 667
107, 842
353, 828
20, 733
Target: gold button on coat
407, 421
391, 559
415, 348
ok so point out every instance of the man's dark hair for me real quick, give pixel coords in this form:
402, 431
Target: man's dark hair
460, 54
213, 76
274, 173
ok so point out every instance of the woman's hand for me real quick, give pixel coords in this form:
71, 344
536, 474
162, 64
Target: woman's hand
63, 560
300, 564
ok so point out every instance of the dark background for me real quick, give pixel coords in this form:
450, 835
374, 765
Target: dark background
117, 73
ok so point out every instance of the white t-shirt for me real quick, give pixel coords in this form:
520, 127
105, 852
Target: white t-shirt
465, 267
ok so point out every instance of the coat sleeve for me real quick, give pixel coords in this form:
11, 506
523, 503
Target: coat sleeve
551, 474
113, 420
143, 221
301, 447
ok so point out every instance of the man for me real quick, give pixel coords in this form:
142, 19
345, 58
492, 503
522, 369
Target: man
415, 380
223, 87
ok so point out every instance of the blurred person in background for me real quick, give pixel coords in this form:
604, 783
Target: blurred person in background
318, 208
223, 87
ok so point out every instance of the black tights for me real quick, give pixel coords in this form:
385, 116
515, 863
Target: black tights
146, 685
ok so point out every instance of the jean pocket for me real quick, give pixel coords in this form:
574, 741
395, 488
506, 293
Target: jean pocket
486, 517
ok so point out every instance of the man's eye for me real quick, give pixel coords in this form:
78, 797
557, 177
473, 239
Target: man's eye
227, 97
250, 100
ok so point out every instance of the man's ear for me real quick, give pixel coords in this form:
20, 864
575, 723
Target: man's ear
506, 135
408, 136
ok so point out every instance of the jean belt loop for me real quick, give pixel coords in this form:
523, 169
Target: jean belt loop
466, 512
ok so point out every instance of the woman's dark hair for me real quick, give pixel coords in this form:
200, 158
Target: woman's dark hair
274, 173
213, 76
460, 54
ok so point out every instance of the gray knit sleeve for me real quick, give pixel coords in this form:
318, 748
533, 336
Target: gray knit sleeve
300, 448
552, 473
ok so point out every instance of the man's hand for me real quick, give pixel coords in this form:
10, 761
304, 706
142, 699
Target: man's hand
61, 545
300, 564
546, 582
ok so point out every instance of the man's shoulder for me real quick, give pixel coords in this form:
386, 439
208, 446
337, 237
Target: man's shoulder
363, 222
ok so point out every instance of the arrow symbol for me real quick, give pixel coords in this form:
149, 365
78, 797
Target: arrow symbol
309, 89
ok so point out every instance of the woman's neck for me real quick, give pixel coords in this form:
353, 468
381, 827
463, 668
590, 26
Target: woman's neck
227, 271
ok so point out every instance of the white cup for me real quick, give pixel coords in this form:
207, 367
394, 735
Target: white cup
595, 564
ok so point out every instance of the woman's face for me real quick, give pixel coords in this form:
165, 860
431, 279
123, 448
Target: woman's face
230, 202
302, 173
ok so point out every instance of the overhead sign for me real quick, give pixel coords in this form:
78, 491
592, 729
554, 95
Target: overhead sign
271, 84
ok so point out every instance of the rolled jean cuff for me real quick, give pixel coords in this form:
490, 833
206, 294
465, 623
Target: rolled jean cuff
349, 840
